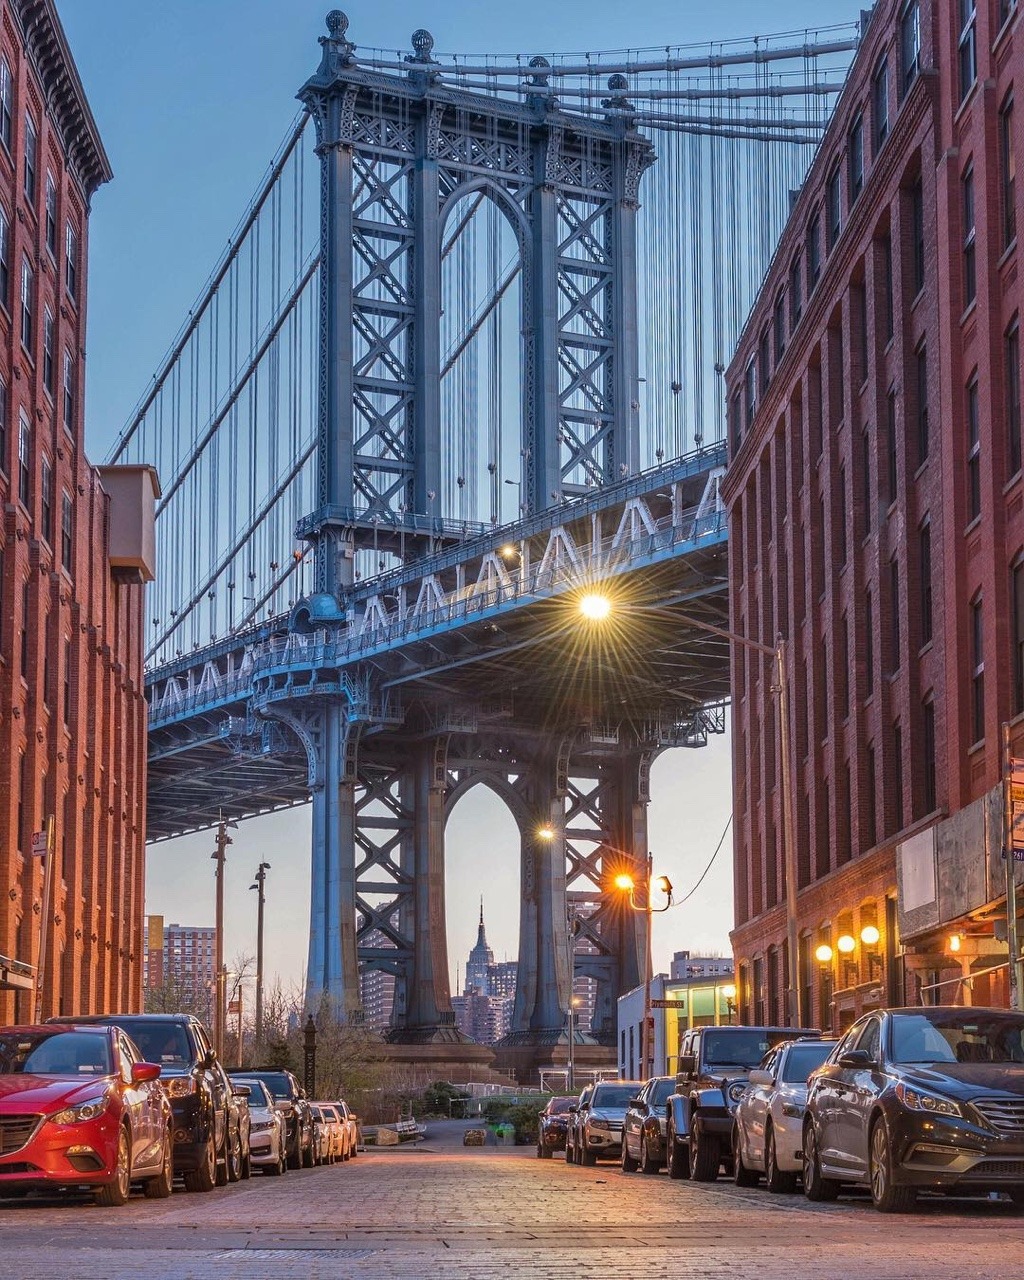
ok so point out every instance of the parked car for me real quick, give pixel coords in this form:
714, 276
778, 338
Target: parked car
207, 1141
241, 1129
644, 1126
337, 1129
577, 1111
714, 1063
768, 1131
80, 1107
290, 1099
323, 1139
598, 1128
553, 1126
351, 1122
924, 1098
268, 1130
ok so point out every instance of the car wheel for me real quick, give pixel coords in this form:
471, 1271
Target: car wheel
816, 1187
160, 1187
705, 1156
778, 1181
677, 1156
294, 1157
570, 1153
205, 1177
117, 1189
629, 1165
308, 1156
885, 1196
741, 1175
233, 1159
648, 1163
247, 1165
588, 1158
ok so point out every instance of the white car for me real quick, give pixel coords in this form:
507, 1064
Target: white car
351, 1122
340, 1143
268, 1134
768, 1129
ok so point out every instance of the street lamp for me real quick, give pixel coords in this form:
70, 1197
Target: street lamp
260, 887
663, 885
220, 1010
729, 992
596, 606
570, 1083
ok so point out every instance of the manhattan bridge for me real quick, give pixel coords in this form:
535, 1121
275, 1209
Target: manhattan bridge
454, 386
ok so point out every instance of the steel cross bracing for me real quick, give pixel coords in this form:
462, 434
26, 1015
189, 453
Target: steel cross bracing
373, 604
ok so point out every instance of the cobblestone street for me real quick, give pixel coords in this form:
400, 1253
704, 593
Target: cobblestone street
442, 1210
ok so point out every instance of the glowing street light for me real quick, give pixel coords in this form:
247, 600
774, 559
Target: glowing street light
661, 884
823, 954
595, 607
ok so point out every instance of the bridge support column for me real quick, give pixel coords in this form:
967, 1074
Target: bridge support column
332, 969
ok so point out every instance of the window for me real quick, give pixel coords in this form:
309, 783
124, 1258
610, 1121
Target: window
795, 293
66, 531
917, 224
872, 810
51, 214
928, 745
973, 451
26, 605
841, 517
887, 301
925, 557
46, 514
28, 285
66, 698
921, 362
897, 749
891, 447
813, 251
48, 350
24, 460
833, 208
779, 325
71, 261
5, 261
750, 389
843, 692
970, 265
869, 644
1007, 173
855, 157
977, 671
5, 439
1017, 603
69, 393
1006, 7
1013, 397
894, 614
910, 44
23, 841
880, 104
31, 144
866, 459
968, 52
735, 423
6, 102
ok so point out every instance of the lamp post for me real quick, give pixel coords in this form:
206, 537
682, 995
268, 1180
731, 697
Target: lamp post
729, 992
823, 955
664, 885
260, 887
220, 1012
570, 1083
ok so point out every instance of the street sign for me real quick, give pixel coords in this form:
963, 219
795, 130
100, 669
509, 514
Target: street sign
234, 1006
38, 844
1017, 809
668, 1004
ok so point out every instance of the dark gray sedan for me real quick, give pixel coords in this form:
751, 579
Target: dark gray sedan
916, 1099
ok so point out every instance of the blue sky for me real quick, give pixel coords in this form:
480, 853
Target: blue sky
192, 99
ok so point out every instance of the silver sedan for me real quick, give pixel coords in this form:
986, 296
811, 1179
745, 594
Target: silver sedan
268, 1140
767, 1134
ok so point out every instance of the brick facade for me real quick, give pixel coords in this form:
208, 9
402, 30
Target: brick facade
876, 498
72, 708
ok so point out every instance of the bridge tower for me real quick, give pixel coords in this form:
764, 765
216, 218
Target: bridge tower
398, 151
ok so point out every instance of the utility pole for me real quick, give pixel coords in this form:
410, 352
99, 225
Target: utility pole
260, 887
46, 845
220, 1001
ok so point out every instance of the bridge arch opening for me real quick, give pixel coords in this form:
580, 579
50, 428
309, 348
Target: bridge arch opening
482, 864
482, 366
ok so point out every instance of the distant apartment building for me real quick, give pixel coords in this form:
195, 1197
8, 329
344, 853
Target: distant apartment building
75, 550
180, 962
876, 507
376, 987
685, 967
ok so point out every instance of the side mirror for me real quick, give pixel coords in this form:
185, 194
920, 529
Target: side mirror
635, 1102
856, 1060
209, 1059
241, 1090
687, 1064
573, 1110
764, 1078
143, 1071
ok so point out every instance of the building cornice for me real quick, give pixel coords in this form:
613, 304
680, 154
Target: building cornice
50, 55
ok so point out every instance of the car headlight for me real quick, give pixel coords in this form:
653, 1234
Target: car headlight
259, 1125
917, 1100
736, 1091
601, 1124
793, 1109
179, 1086
82, 1111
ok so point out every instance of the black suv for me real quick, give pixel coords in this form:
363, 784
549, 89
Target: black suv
290, 1099
714, 1063
208, 1142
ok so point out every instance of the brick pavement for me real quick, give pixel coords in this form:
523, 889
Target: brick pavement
454, 1213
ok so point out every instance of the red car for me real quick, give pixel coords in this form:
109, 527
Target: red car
79, 1108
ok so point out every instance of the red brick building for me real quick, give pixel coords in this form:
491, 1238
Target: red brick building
876, 501
72, 560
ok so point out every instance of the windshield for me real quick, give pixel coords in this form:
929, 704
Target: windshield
278, 1084
735, 1048
802, 1059
158, 1041
56, 1053
957, 1035
559, 1106
613, 1095
258, 1096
